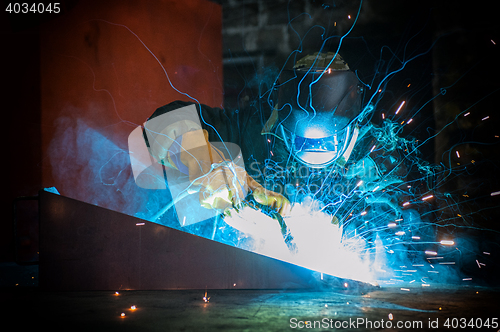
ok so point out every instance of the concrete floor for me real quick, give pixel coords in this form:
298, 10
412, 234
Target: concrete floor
241, 310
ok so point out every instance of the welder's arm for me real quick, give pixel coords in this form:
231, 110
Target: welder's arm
222, 183
179, 142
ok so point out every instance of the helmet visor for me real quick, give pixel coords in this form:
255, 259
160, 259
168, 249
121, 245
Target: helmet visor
317, 152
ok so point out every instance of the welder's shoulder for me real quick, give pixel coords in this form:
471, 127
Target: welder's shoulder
207, 115
175, 105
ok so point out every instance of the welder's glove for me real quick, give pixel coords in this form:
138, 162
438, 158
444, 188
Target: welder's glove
222, 183
272, 199
223, 187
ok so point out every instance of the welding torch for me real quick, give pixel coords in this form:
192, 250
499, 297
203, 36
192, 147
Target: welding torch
285, 231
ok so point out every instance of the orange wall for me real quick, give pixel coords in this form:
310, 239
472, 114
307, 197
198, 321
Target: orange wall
99, 72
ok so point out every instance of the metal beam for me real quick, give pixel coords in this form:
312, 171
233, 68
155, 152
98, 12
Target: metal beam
87, 247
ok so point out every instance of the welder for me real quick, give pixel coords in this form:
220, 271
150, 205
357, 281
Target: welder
316, 123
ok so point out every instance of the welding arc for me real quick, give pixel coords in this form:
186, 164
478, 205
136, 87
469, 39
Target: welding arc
285, 232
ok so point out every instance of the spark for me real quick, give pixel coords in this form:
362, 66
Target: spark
383, 116
400, 106
140, 224
447, 242
122, 315
409, 121
430, 252
427, 197
486, 253
493, 42
406, 203
466, 114
466, 279
205, 298
392, 224
391, 317
373, 148
495, 193
348, 17
485, 118
458, 154
359, 183
405, 289
400, 233
375, 189
133, 307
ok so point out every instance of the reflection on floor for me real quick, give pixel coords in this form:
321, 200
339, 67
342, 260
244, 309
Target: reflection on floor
378, 309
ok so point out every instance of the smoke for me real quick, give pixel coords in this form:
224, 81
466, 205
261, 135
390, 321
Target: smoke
89, 166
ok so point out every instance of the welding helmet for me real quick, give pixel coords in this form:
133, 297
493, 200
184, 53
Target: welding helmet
319, 103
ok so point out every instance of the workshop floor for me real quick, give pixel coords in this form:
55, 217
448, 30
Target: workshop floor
429, 308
